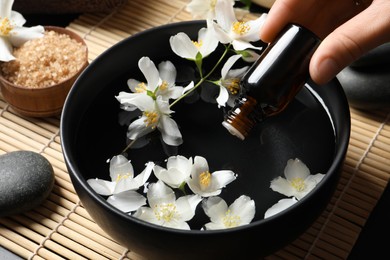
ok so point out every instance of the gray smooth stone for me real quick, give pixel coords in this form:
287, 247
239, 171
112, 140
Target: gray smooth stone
26, 180
366, 82
366, 89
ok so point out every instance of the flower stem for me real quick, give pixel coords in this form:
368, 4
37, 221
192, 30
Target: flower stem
203, 78
129, 145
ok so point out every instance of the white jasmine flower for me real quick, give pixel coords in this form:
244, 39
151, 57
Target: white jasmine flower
184, 47
230, 82
208, 184
280, 206
229, 30
239, 213
177, 172
165, 210
203, 8
159, 82
298, 181
155, 115
12, 32
123, 184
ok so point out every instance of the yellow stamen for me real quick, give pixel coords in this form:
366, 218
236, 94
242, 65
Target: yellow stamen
198, 44
122, 177
5, 26
163, 86
230, 220
232, 85
166, 212
205, 179
298, 184
213, 3
141, 88
151, 119
240, 28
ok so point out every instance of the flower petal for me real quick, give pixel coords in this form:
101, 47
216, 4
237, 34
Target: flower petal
240, 45
120, 165
280, 206
127, 201
133, 84
5, 50
224, 14
135, 100
254, 29
222, 178
229, 64
102, 187
186, 206
200, 165
160, 193
223, 96
167, 72
142, 178
215, 208
138, 129
16, 17
296, 169
221, 35
182, 45
189, 87
147, 214
20, 35
170, 132
209, 41
237, 73
5, 8
282, 186
244, 207
150, 72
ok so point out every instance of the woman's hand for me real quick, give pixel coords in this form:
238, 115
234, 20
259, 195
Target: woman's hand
348, 28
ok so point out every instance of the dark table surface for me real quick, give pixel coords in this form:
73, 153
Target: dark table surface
372, 242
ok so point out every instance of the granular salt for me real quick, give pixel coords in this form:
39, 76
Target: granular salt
45, 61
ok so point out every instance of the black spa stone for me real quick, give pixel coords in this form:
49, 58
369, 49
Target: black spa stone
26, 180
366, 82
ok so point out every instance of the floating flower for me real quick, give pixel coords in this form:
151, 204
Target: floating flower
229, 30
298, 181
177, 172
123, 184
12, 32
230, 82
155, 115
159, 82
208, 184
239, 213
203, 8
165, 210
280, 206
184, 47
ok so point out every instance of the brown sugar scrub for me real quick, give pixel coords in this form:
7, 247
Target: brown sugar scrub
45, 61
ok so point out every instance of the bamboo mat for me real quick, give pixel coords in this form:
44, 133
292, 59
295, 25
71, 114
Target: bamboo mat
61, 228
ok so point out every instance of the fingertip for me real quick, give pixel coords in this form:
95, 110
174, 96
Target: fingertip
323, 70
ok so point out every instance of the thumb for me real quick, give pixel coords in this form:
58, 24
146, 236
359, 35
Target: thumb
350, 41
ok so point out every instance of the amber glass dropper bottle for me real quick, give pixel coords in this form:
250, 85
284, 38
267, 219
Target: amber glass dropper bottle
273, 80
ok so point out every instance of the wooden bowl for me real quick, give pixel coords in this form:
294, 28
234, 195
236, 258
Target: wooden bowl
43, 101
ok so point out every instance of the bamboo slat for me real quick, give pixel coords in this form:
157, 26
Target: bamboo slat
60, 228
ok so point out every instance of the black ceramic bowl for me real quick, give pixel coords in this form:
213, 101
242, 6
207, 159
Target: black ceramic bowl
315, 128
